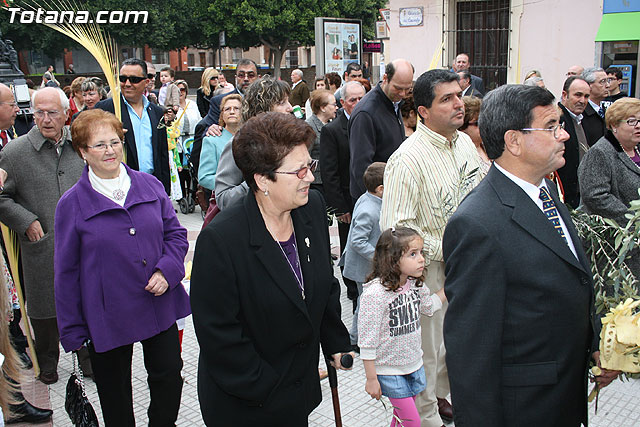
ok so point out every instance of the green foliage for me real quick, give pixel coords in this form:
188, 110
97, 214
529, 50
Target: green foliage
170, 25
282, 24
608, 246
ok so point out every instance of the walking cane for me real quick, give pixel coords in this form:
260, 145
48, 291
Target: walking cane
347, 361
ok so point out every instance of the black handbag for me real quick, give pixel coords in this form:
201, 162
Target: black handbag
76, 403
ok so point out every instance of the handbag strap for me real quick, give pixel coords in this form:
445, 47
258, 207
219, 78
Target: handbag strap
77, 370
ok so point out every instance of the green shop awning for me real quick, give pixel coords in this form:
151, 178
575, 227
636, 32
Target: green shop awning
619, 26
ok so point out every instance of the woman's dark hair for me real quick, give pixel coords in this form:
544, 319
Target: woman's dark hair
265, 140
392, 244
408, 106
334, 79
321, 79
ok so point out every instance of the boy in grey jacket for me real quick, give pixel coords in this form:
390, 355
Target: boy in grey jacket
363, 235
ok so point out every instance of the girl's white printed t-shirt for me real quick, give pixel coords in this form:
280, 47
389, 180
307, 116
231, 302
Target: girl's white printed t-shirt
389, 325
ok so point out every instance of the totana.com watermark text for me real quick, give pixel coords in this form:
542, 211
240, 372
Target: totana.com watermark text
42, 16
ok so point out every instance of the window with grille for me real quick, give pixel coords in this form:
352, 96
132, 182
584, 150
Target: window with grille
291, 58
482, 31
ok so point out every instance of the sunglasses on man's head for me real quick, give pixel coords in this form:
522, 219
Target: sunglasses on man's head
132, 79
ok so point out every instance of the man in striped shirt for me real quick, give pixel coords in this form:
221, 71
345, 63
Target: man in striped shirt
425, 180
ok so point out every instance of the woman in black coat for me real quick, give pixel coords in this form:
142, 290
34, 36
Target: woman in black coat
208, 84
263, 293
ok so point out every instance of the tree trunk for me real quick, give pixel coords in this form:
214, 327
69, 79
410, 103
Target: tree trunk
277, 59
278, 50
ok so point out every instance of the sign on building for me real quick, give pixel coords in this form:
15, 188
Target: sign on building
338, 43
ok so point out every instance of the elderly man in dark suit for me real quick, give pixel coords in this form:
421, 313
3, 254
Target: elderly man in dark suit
593, 121
146, 145
519, 330
41, 166
334, 168
462, 63
575, 98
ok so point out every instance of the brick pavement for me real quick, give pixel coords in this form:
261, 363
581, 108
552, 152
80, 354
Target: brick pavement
618, 404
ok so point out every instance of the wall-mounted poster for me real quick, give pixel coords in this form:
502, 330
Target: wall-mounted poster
342, 45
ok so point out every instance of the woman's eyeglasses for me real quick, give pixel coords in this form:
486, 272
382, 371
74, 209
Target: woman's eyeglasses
103, 146
132, 79
302, 172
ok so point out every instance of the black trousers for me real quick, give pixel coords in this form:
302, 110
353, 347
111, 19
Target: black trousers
47, 343
112, 373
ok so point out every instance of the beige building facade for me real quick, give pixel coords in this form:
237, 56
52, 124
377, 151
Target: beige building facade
504, 38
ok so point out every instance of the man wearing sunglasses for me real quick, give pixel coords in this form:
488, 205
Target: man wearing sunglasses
146, 145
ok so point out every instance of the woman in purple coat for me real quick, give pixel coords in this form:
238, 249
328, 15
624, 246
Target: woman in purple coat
119, 254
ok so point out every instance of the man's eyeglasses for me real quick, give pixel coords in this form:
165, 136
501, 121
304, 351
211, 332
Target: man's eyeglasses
132, 79
604, 81
40, 114
555, 130
150, 76
242, 74
13, 104
103, 146
302, 172
633, 121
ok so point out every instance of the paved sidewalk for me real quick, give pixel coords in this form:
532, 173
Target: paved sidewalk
619, 404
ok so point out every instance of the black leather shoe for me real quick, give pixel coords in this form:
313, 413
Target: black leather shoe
25, 359
27, 413
48, 377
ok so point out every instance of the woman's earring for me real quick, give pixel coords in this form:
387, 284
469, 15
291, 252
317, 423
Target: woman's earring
615, 130
266, 193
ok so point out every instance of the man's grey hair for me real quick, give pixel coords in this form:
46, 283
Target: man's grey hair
589, 74
509, 107
343, 89
298, 72
64, 101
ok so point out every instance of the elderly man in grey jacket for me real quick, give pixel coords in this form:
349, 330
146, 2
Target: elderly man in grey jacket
41, 166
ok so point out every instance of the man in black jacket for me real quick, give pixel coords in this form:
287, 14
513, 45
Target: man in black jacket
575, 98
334, 161
593, 122
146, 145
375, 128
